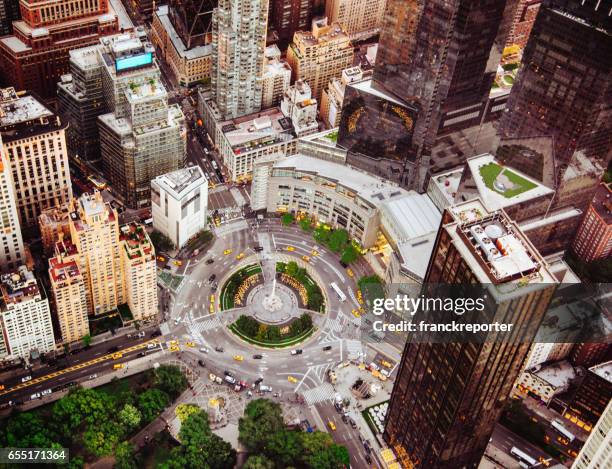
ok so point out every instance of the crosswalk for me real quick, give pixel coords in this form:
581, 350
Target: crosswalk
196, 329
321, 393
333, 329
354, 348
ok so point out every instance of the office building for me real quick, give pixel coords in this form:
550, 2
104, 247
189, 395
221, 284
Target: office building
192, 21
13, 254
54, 223
333, 96
289, 16
34, 140
434, 59
140, 11
191, 61
36, 55
545, 381
69, 295
590, 354
179, 202
9, 12
597, 450
142, 135
522, 22
594, 238
563, 89
319, 55
276, 78
299, 106
448, 396
25, 317
139, 268
360, 18
239, 40
589, 401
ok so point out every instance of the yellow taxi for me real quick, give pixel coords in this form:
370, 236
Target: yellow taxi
161, 258
332, 426
240, 256
173, 342
218, 221
356, 313
189, 344
314, 252
227, 251
178, 263
174, 348
117, 356
350, 273
359, 297
545, 462
290, 248
118, 366
212, 298
212, 308
306, 258
291, 379
238, 358
385, 363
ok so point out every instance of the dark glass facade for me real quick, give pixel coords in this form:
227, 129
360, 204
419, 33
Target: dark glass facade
289, 16
563, 90
377, 128
192, 20
448, 397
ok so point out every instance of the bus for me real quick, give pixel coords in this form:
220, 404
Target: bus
341, 296
524, 459
564, 431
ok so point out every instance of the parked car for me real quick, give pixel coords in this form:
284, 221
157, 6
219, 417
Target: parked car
296, 352
264, 388
36, 395
209, 261
94, 376
151, 346
230, 379
257, 356
25, 379
141, 354
141, 334
46, 392
204, 350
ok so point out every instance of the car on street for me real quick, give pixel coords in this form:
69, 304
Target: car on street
350, 273
141, 334
368, 458
352, 422
327, 347
238, 358
227, 251
257, 381
296, 352
141, 354
356, 313
189, 344
46, 392
201, 363
204, 350
118, 366
314, 252
339, 407
264, 388
209, 261
117, 356
178, 263
386, 364
94, 376
240, 256
343, 264
212, 278
25, 379
228, 373
174, 348
156, 333
36, 395
291, 379
332, 426
257, 356
306, 258
113, 349
151, 346
345, 418
230, 379
219, 349
290, 248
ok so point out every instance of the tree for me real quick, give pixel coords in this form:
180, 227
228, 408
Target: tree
292, 268
322, 234
350, 254
125, 456
306, 321
262, 418
183, 411
171, 380
285, 447
129, 417
287, 219
81, 406
333, 457
101, 439
86, 340
152, 402
315, 301
338, 240
27, 430
248, 325
160, 241
258, 462
306, 224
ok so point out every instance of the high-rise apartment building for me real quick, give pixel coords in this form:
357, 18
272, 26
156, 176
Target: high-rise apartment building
590, 400
179, 201
34, 139
434, 58
448, 396
319, 55
590, 354
594, 238
289, 16
333, 96
359, 18
142, 136
54, 223
26, 330
276, 78
36, 55
522, 22
9, 12
139, 271
69, 299
239, 40
563, 92
299, 105
12, 254
597, 450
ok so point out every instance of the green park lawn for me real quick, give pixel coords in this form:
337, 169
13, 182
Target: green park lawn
490, 172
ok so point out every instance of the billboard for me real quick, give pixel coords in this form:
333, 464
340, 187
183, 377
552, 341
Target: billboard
133, 61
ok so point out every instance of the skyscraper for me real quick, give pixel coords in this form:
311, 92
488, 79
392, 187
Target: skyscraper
597, 450
563, 92
36, 55
360, 18
35, 144
239, 40
594, 237
433, 58
9, 12
289, 16
13, 254
192, 20
448, 396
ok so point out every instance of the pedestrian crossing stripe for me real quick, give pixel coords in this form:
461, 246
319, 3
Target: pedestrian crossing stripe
321, 393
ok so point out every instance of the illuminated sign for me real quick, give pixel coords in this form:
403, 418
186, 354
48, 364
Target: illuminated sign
133, 61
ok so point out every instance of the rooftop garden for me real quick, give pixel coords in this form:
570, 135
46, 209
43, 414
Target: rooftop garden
332, 136
503, 181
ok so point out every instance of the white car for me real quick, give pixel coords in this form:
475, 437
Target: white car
36, 395
25, 379
385, 373
46, 392
204, 350
94, 376
264, 388
141, 334
151, 346
230, 379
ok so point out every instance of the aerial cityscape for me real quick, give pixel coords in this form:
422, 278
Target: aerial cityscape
311, 234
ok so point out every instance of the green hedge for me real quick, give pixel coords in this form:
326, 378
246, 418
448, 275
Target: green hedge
233, 283
272, 344
315, 295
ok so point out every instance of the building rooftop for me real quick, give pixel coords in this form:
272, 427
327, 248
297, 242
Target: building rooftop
368, 86
86, 57
150, 88
255, 131
190, 54
18, 286
181, 182
370, 188
321, 33
61, 270
501, 186
602, 202
15, 109
496, 249
137, 242
125, 22
448, 183
559, 374
603, 370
